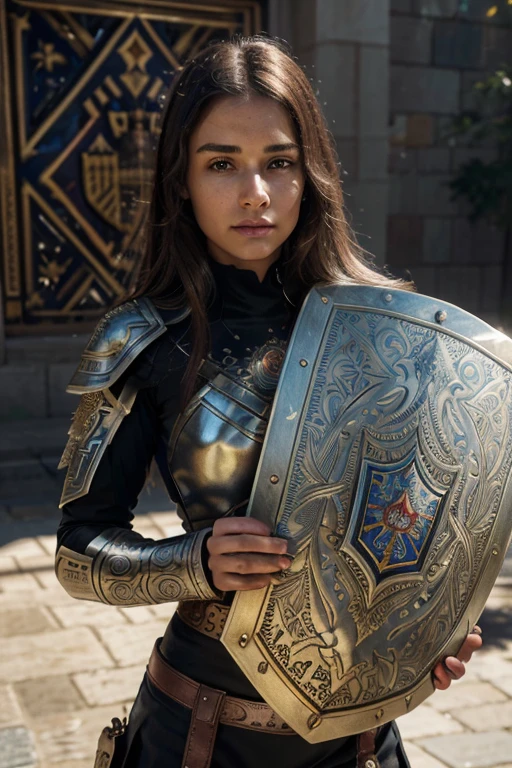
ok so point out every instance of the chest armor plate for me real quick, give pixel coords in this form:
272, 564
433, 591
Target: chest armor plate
215, 448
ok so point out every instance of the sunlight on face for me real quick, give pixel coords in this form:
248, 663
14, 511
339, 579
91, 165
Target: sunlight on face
245, 180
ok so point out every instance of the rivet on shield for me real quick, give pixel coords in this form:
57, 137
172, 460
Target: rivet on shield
262, 667
379, 714
495, 551
370, 764
303, 362
325, 299
274, 479
408, 700
388, 298
314, 721
441, 316
243, 639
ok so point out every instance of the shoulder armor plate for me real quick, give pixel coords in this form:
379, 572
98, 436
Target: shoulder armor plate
117, 340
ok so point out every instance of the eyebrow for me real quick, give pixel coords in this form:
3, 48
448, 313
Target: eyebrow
231, 149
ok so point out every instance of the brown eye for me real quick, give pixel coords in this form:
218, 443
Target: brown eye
279, 163
220, 165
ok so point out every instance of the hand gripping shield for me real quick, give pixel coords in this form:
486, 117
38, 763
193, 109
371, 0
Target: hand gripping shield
386, 465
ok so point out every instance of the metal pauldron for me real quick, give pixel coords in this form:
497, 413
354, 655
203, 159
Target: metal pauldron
126, 569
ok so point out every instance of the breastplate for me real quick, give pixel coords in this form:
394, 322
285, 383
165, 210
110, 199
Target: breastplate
216, 443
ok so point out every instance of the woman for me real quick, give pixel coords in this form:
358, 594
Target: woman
246, 216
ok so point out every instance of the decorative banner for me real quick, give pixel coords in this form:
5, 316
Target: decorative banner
87, 87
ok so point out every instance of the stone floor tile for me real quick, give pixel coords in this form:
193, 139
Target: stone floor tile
87, 612
48, 696
504, 684
147, 529
485, 717
471, 750
22, 548
420, 759
54, 595
136, 645
38, 562
138, 614
466, 694
26, 657
164, 610
488, 665
48, 543
168, 522
46, 577
109, 686
425, 721
18, 582
17, 748
75, 764
25, 621
10, 711
8, 564
65, 739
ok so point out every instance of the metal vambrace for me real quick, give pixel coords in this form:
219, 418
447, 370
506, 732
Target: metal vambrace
123, 568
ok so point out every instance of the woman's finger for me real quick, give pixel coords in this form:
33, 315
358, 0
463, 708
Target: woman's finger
227, 526
232, 582
247, 563
246, 542
471, 644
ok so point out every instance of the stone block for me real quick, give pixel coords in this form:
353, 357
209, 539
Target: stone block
479, 750
438, 8
401, 6
10, 711
373, 159
411, 39
401, 160
108, 686
492, 290
420, 759
461, 286
405, 236
424, 89
464, 155
8, 565
373, 91
403, 195
137, 614
397, 130
168, 523
368, 204
335, 66
60, 402
437, 241
23, 548
425, 721
426, 280
49, 696
420, 130
347, 154
353, 21
24, 621
17, 582
477, 243
457, 45
466, 695
434, 196
469, 99
17, 748
497, 46
137, 643
23, 392
485, 717
434, 160
63, 651
88, 613
30, 350
164, 610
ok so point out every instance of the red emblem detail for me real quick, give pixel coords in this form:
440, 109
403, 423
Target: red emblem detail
400, 516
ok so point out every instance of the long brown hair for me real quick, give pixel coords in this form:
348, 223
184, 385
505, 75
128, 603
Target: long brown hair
322, 248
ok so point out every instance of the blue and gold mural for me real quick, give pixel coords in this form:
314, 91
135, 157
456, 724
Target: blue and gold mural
83, 88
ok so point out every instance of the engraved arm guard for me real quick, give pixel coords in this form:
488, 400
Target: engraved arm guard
122, 568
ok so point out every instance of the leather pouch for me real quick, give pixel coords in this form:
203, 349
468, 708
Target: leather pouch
112, 745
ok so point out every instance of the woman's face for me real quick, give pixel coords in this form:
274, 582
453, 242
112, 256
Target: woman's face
245, 180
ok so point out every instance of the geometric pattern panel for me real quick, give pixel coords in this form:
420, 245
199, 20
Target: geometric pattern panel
87, 88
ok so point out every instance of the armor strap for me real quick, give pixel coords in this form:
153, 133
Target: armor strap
122, 568
366, 749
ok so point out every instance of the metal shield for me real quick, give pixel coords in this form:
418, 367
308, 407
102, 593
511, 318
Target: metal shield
386, 465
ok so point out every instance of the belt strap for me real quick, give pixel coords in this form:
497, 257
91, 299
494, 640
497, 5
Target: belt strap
203, 727
366, 757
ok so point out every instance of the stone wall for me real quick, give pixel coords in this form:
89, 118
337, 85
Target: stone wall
439, 49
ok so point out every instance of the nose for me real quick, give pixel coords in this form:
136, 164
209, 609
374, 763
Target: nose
254, 192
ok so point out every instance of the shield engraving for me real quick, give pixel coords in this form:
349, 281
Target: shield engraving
386, 465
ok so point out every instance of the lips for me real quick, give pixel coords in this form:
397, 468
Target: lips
258, 228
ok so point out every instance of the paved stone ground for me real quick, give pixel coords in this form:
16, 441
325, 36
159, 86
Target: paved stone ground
67, 667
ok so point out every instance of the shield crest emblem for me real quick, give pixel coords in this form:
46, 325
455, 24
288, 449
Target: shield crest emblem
386, 465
